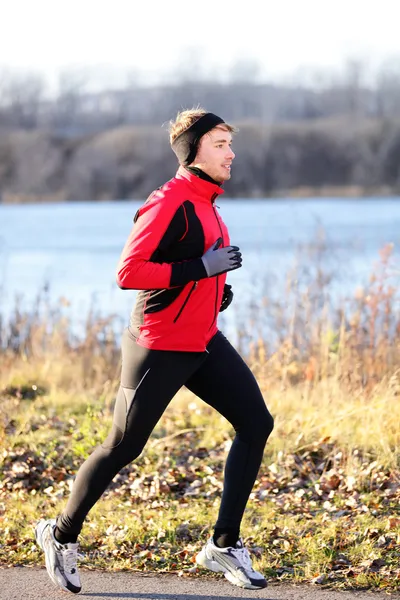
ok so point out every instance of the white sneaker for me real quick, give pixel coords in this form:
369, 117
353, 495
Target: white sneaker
61, 559
234, 563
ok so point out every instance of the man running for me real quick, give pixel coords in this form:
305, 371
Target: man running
177, 256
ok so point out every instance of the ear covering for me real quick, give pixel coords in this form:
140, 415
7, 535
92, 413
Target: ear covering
186, 144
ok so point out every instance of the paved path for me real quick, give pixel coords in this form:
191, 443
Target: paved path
26, 583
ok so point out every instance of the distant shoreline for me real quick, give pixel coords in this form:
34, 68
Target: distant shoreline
300, 193
339, 158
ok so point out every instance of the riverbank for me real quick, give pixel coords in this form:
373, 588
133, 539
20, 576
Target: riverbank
324, 508
340, 192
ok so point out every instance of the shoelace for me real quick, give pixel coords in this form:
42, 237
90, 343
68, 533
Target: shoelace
244, 558
70, 560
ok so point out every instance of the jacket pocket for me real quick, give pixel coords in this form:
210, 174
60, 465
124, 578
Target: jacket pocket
186, 301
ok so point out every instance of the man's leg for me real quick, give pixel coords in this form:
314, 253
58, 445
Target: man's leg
149, 381
225, 382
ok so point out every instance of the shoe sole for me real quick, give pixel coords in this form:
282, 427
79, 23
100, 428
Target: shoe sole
216, 567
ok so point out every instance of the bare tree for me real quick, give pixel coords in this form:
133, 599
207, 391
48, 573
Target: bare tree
353, 80
72, 84
387, 87
245, 70
21, 96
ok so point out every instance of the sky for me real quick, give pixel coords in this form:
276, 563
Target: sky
112, 37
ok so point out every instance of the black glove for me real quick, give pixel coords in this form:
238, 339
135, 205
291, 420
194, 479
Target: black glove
227, 297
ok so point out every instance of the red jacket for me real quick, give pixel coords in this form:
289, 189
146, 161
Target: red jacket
178, 304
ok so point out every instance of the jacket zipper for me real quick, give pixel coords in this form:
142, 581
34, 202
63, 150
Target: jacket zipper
194, 286
216, 282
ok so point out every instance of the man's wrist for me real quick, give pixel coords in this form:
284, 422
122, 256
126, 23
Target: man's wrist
191, 270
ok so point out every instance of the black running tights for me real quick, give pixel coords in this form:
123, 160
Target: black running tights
149, 381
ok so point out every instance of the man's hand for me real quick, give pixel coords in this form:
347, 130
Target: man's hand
220, 260
227, 297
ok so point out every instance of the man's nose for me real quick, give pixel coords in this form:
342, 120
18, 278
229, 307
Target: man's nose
231, 154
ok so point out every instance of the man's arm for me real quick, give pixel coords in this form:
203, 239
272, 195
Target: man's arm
157, 225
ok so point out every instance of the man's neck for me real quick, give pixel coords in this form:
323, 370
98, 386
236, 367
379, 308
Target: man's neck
202, 175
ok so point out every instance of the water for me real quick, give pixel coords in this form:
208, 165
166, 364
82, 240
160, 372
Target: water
75, 248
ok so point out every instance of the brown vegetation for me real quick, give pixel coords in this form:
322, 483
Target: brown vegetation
325, 505
333, 134
129, 162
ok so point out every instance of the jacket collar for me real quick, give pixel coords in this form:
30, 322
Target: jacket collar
205, 189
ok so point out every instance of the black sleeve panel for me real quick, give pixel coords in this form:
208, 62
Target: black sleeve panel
185, 271
174, 232
191, 270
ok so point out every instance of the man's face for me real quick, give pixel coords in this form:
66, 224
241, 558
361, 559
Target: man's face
215, 155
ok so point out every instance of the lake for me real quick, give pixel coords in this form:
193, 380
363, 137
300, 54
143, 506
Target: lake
75, 248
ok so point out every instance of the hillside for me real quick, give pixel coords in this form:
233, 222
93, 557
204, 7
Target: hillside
336, 156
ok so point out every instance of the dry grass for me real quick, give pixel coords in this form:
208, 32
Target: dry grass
331, 378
